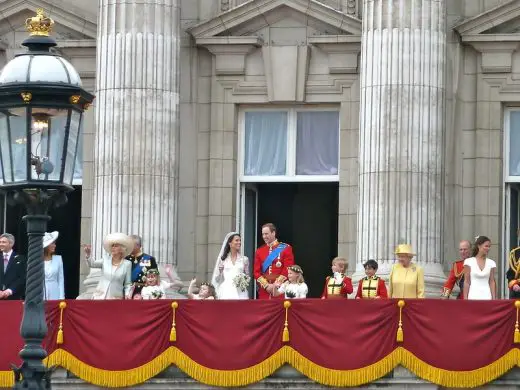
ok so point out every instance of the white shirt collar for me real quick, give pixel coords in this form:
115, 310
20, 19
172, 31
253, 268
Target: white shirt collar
8, 254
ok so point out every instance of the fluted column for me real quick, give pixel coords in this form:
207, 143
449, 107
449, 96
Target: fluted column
135, 178
401, 153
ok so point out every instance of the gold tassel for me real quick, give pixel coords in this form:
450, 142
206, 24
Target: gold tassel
285, 335
59, 338
517, 331
173, 331
400, 334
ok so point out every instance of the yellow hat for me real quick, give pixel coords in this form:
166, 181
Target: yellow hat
404, 249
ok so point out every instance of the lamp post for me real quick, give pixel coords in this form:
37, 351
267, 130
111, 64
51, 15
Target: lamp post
41, 110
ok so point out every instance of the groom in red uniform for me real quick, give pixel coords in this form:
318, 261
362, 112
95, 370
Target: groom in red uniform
271, 262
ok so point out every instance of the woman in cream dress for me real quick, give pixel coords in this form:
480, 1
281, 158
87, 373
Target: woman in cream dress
54, 282
115, 281
406, 278
230, 263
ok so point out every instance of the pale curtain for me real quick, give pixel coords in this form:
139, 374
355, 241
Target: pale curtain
265, 143
514, 144
317, 143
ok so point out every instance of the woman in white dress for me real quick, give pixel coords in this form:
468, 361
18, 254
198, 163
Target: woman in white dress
230, 264
115, 281
479, 272
54, 283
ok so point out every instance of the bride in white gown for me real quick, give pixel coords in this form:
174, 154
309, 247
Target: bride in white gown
230, 263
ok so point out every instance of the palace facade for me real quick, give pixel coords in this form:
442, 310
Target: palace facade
352, 125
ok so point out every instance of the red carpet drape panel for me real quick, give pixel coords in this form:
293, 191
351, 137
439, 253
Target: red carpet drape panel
235, 343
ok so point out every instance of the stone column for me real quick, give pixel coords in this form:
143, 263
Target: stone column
402, 121
135, 163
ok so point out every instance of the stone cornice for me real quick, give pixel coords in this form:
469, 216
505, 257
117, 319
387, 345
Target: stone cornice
497, 54
257, 8
75, 43
230, 52
489, 19
343, 51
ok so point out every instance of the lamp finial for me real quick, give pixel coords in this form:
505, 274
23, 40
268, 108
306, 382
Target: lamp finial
39, 25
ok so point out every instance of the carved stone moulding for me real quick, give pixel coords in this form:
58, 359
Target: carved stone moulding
496, 49
343, 51
230, 52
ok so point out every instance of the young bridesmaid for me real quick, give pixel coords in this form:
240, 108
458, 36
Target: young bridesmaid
294, 286
206, 291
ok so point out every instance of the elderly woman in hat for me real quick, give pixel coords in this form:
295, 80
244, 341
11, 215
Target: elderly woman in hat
115, 281
406, 278
54, 284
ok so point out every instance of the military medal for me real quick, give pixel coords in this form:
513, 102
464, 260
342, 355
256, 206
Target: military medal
278, 264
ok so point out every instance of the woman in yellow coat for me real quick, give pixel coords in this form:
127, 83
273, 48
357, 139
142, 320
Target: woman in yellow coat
406, 278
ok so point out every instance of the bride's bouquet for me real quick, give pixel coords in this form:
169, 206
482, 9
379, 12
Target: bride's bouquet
241, 281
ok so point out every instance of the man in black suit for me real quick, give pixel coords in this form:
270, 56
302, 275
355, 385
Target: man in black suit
12, 270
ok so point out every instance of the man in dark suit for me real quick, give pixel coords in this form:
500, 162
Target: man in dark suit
12, 270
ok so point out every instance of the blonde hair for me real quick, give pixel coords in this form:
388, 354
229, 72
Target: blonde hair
297, 270
340, 261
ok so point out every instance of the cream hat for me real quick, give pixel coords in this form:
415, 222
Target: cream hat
49, 238
118, 238
404, 249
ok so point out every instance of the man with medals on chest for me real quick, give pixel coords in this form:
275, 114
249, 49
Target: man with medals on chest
271, 262
513, 274
141, 263
457, 272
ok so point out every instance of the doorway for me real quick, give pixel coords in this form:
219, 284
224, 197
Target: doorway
65, 219
306, 216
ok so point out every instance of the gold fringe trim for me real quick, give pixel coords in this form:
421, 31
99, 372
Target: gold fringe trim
6, 379
106, 378
246, 376
342, 378
460, 379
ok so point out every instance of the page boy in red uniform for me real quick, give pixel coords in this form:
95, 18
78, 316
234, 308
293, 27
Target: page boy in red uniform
371, 286
338, 285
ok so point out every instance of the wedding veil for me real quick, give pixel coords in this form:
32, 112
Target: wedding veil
215, 279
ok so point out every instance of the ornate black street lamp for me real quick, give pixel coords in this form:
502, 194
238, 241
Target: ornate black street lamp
41, 110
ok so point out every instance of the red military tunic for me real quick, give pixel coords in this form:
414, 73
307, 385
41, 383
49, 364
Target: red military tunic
276, 272
370, 288
334, 290
456, 277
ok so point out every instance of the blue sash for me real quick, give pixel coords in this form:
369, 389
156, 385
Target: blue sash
273, 255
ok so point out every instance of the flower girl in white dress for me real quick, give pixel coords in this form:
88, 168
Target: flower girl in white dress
231, 273
295, 286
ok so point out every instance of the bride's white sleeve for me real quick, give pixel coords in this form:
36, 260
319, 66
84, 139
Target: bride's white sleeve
246, 265
217, 277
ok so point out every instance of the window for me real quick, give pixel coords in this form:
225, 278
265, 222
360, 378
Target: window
290, 145
512, 145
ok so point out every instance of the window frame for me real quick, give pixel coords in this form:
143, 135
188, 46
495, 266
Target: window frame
292, 129
507, 147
